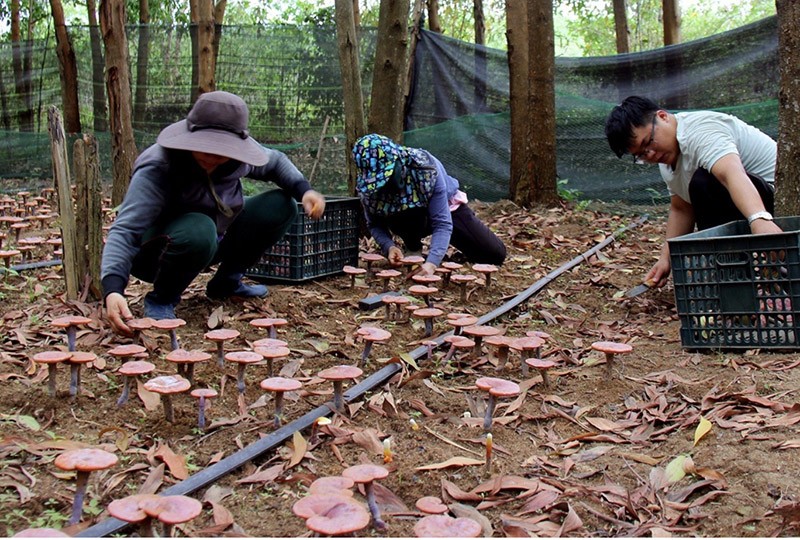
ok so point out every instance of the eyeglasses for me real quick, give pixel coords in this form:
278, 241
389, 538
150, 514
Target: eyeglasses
639, 158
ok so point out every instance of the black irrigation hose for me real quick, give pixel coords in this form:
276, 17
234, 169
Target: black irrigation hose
234, 461
31, 266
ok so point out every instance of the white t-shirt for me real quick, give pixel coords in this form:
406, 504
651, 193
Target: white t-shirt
706, 136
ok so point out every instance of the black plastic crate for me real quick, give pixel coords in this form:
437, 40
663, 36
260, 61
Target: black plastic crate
314, 248
736, 290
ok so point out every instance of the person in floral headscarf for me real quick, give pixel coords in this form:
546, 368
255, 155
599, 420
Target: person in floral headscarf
407, 192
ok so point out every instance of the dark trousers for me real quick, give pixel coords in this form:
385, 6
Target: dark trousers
173, 254
470, 235
712, 203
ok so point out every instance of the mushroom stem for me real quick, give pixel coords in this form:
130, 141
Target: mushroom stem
72, 333
372, 504
385, 285
220, 354
278, 409
609, 364
388, 316
126, 388
269, 366
173, 337
51, 379
168, 413
146, 529
463, 290
189, 372
365, 354
273, 332
525, 369
428, 327
338, 398
240, 378
545, 378
81, 480
502, 358
201, 413
487, 419
450, 352
74, 379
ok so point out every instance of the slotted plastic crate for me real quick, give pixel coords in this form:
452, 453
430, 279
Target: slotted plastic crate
312, 249
736, 290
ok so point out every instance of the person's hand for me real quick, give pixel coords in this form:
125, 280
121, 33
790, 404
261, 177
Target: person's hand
395, 255
427, 269
764, 226
118, 312
658, 274
313, 204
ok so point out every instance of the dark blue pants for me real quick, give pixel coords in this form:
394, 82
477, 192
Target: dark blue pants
173, 254
712, 203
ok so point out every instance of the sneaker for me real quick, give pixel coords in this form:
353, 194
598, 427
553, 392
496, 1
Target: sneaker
157, 311
243, 290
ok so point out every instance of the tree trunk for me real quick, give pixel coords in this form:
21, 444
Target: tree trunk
142, 65
621, 26
194, 33
206, 60
479, 96
68, 69
434, 23
416, 22
118, 84
388, 79
89, 215
20, 61
351, 83
98, 68
672, 22
517, 43
787, 173
219, 19
540, 186
5, 119
356, 14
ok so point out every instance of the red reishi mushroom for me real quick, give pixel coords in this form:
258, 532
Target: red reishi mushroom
332, 514
353, 272
171, 325
40, 532
425, 292
366, 474
83, 461
542, 365
316, 503
611, 348
271, 354
503, 344
186, 360
219, 337
338, 485
478, 332
496, 388
51, 359
126, 352
370, 259
166, 386
544, 336
487, 270
129, 509
421, 279
460, 320
457, 342
396, 300
427, 315
270, 323
269, 342
139, 325
447, 269
443, 526
75, 361
130, 371
339, 374
431, 505
203, 395
429, 346
370, 335
531, 347
70, 323
7, 255
386, 277
242, 359
462, 280
172, 510
279, 385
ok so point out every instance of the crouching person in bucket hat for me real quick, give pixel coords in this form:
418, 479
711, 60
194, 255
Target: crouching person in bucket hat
184, 210
407, 192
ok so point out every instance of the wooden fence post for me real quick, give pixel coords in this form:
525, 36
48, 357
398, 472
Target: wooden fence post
58, 150
89, 218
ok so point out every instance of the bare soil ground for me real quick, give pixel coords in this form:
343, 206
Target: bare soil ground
593, 454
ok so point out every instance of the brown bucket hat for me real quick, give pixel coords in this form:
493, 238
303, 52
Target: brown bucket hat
217, 124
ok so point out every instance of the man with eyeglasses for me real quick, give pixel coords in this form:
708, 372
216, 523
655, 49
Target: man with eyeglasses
717, 168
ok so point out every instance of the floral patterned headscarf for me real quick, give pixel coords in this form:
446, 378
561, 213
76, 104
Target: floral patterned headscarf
385, 191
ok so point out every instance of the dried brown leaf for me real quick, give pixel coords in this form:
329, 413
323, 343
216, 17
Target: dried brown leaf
455, 461
263, 477
176, 463
299, 449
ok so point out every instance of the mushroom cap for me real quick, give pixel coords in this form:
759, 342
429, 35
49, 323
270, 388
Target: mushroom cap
423, 279
539, 334
207, 393
412, 259
353, 271
498, 387
244, 357
459, 341
8, 253
373, 333
499, 341
422, 289
137, 367
273, 352
481, 330
82, 357
222, 334
450, 265
431, 505
611, 347
51, 357
182, 356
172, 509
340, 373
484, 268
389, 273
269, 342
529, 343
395, 299
168, 324
168, 384
331, 484
344, 517
127, 350
317, 503
462, 278
85, 460
540, 363
140, 324
266, 322
70, 320
371, 257
365, 472
129, 508
428, 313
443, 526
280, 384
40, 532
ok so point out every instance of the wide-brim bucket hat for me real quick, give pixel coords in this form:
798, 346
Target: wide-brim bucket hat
217, 124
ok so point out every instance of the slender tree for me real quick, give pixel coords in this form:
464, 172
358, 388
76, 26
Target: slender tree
787, 175
98, 67
480, 56
672, 22
142, 65
434, 22
621, 25
21, 66
517, 46
68, 68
